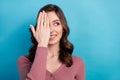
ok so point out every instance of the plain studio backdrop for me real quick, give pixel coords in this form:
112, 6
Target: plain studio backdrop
95, 33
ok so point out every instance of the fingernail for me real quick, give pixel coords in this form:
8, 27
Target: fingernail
30, 25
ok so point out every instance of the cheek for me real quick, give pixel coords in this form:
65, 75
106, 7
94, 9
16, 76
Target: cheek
60, 33
60, 30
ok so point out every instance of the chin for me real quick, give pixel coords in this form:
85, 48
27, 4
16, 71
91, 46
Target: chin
53, 42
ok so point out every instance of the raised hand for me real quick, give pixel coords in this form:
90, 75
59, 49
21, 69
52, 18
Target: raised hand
42, 31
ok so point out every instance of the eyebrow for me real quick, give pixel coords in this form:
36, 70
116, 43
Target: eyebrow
55, 20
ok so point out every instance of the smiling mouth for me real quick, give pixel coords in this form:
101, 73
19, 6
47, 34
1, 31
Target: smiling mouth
53, 36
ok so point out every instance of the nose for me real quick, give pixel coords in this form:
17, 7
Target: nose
51, 29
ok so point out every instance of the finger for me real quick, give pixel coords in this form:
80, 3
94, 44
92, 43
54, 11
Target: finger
32, 29
47, 22
42, 19
39, 20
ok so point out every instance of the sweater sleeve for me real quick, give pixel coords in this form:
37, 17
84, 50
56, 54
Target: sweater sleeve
35, 70
80, 69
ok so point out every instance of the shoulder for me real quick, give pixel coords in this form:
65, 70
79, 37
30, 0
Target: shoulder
23, 60
77, 61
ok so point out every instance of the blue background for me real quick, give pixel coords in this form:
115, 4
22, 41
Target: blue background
95, 33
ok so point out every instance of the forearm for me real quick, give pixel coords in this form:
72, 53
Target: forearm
38, 68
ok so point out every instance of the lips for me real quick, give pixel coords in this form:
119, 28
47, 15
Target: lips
52, 36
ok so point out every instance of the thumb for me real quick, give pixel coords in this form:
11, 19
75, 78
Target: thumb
32, 29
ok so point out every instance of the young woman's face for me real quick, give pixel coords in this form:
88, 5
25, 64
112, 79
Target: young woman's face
56, 28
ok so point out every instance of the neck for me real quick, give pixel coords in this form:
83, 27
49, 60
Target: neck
53, 50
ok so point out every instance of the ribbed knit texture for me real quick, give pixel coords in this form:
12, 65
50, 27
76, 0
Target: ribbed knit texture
37, 69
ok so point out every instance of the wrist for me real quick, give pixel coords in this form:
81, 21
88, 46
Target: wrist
42, 45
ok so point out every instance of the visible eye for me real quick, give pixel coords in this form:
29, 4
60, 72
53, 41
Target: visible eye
56, 24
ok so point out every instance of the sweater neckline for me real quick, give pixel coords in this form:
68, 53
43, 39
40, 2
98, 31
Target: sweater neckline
52, 73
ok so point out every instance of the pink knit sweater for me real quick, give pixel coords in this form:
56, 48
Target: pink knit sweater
37, 69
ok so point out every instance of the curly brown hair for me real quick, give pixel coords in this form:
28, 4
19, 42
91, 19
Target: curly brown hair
66, 47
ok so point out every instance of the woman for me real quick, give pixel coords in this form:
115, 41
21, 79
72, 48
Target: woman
50, 56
